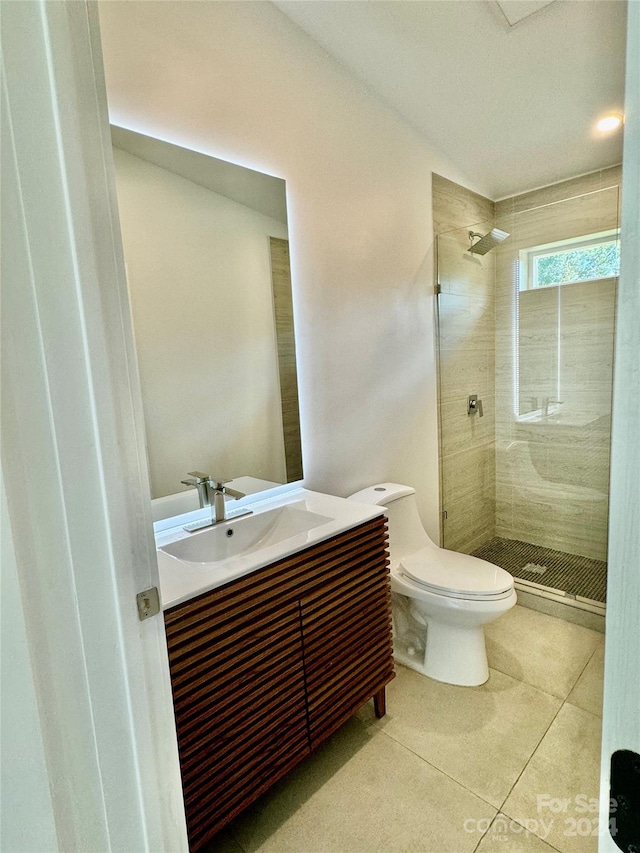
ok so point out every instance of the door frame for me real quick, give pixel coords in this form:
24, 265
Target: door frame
621, 712
74, 458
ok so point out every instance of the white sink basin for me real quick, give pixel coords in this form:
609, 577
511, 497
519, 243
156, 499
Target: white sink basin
244, 535
192, 563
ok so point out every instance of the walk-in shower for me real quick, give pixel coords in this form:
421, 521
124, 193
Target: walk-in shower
526, 342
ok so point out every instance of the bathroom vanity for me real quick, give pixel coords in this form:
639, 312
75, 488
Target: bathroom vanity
267, 661
278, 623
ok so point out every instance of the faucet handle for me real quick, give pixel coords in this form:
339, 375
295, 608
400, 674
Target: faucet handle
216, 483
219, 486
234, 494
199, 476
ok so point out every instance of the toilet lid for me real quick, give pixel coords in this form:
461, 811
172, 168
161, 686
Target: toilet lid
456, 575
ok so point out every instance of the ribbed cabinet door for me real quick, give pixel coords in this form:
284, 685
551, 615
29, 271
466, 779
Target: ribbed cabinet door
346, 624
239, 698
267, 666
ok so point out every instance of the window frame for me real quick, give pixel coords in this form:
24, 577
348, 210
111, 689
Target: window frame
530, 255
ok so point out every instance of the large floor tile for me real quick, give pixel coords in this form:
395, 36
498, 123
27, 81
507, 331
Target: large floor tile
363, 792
506, 835
587, 694
545, 652
562, 776
480, 736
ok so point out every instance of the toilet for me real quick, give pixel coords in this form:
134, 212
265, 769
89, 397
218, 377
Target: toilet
440, 599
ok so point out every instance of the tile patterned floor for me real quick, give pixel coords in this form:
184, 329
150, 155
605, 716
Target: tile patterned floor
554, 569
465, 770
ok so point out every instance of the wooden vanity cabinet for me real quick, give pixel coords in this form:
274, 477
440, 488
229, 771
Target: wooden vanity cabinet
265, 668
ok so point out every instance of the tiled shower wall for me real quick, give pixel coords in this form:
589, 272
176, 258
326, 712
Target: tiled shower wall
552, 463
466, 351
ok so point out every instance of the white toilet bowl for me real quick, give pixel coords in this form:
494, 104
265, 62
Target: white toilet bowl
446, 595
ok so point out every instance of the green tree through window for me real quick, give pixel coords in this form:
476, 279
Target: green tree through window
601, 260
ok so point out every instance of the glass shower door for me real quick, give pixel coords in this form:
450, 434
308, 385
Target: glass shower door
529, 329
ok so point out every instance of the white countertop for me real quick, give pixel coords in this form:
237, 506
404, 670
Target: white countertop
180, 581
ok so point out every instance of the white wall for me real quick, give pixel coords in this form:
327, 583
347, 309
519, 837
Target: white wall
241, 82
198, 267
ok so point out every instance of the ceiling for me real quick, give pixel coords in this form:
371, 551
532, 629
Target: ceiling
509, 91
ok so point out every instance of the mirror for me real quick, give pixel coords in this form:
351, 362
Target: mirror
207, 259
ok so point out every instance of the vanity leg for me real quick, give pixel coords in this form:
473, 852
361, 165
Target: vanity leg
380, 703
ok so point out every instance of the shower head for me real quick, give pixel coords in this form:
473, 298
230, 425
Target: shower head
487, 242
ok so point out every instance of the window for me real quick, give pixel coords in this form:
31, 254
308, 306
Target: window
587, 258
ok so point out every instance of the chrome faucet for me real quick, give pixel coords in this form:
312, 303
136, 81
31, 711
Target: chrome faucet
211, 493
200, 481
219, 489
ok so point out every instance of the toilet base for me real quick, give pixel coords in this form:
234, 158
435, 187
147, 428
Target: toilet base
456, 655
452, 655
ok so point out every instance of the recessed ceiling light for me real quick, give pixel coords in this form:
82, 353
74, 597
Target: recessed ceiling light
609, 123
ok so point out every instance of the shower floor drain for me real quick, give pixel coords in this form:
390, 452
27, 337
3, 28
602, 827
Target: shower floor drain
568, 573
535, 568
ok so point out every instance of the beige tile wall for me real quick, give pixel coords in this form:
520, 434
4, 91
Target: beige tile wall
552, 474
467, 332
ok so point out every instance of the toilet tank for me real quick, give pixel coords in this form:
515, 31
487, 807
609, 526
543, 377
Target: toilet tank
406, 533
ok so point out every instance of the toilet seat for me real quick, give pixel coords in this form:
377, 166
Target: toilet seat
455, 575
